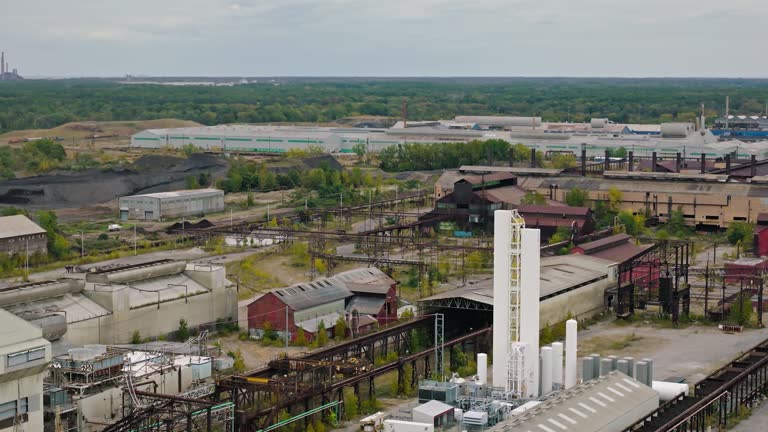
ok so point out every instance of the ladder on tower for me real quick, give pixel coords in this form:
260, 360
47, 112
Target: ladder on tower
515, 362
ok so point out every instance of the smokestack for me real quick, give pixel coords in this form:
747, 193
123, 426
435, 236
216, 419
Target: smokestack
727, 110
2, 64
571, 336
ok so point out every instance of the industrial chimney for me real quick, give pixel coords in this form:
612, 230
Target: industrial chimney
2, 64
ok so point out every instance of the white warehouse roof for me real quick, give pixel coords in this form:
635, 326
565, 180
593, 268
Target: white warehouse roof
609, 403
179, 193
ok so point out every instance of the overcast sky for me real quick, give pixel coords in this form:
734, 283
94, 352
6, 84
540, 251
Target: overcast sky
705, 38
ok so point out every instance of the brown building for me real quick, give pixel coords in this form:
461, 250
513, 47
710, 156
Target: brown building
18, 234
706, 200
548, 218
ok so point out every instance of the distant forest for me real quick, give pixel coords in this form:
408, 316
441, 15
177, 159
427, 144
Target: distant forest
38, 104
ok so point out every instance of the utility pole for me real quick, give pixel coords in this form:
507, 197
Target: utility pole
26, 258
267, 212
134, 238
341, 199
82, 244
230, 218
286, 329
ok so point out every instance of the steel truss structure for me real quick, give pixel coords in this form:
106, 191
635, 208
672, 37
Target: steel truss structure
166, 413
656, 277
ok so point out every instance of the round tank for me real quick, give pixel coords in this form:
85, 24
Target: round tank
675, 130
482, 368
668, 391
598, 123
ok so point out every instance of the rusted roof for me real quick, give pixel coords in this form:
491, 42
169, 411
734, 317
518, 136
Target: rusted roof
620, 253
596, 245
563, 211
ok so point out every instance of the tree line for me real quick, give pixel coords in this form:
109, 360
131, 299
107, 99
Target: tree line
41, 104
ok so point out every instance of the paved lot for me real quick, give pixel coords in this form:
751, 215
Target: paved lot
692, 352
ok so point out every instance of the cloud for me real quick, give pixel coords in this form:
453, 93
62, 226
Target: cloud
394, 37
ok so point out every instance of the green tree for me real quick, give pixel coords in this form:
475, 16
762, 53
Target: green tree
676, 224
615, 198
239, 364
301, 338
249, 202
322, 335
741, 310
136, 337
182, 333
563, 160
740, 232
533, 197
576, 197
562, 234
192, 182
359, 150
350, 405
340, 329
633, 224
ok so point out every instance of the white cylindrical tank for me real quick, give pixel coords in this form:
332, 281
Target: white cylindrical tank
546, 370
571, 329
557, 365
458, 414
482, 368
668, 391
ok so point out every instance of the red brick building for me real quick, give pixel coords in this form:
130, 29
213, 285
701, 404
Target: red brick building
362, 297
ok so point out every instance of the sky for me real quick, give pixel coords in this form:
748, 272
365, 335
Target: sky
617, 38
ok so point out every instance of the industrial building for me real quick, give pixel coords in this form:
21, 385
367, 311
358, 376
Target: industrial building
113, 302
612, 402
595, 136
570, 284
281, 139
6, 73
94, 386
25, 357
171, 204
19, 235
363, 297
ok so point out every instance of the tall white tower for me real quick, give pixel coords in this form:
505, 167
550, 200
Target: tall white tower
516, 268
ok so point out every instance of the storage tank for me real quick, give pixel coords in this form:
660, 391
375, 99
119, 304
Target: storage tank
598, 123
546, 370
675, 130
668, 391
557, 365
587, 369
482, 368
571, 365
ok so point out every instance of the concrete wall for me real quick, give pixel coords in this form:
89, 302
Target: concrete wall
153, 320
582, 303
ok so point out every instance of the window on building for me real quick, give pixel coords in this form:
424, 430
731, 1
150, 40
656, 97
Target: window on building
22, 357
12, 408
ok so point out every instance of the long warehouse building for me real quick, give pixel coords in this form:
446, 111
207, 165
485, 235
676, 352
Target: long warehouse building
595, 137
171, 204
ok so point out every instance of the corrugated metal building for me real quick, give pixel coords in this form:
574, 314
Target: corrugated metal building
171, 204
612, 402
367, 293
18, 234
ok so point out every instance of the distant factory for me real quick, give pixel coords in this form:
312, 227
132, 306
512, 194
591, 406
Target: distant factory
6, 73
595, 136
